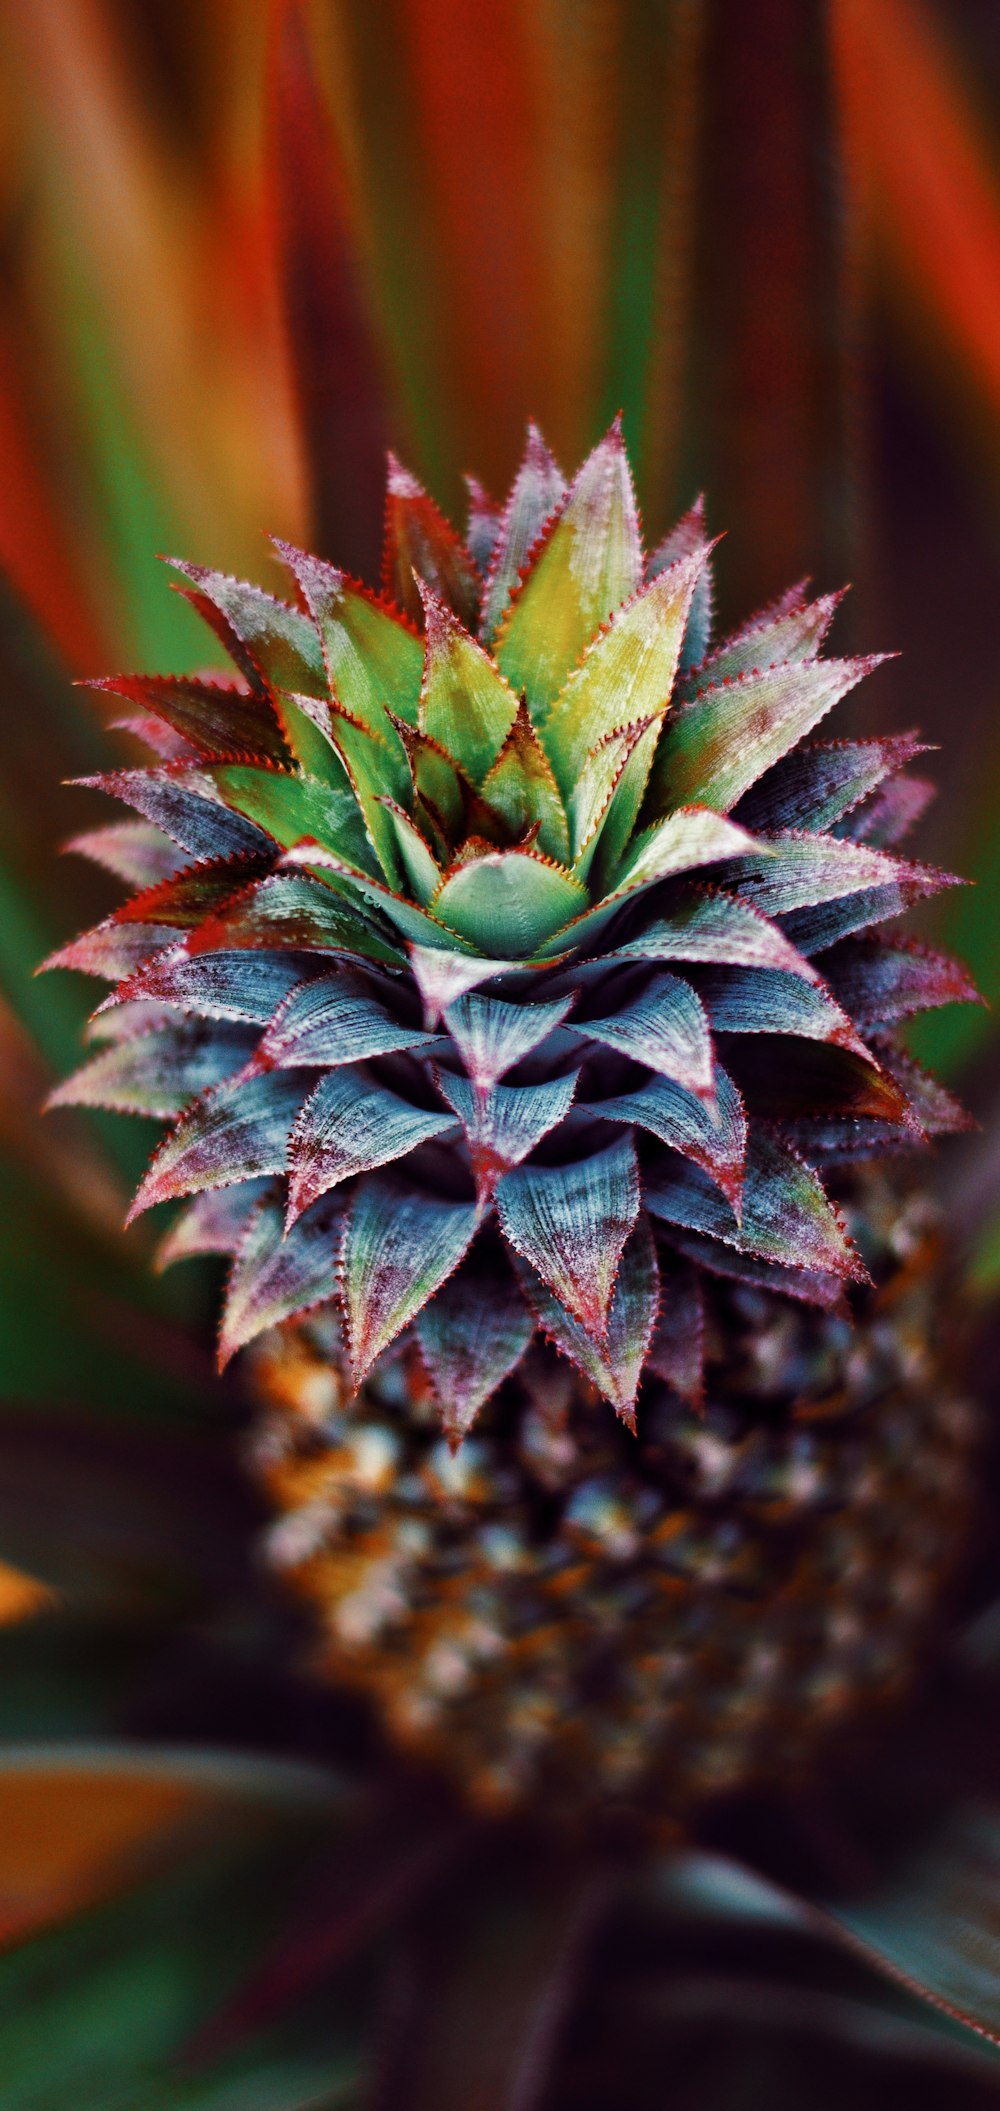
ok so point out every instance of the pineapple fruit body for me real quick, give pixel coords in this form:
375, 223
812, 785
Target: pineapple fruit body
559, 1611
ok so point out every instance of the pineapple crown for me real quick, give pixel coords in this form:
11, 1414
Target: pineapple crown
502, 957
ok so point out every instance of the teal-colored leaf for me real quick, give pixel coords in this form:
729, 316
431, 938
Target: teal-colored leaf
293, 909
713, 1135
803, 871
507, 903
482, 524
503, 1125
214, 985
158, 1072
350, 1125
331, 1020
777, 638
773, 1001
692, 836
570, 1224
666, 1029
185, 804
492, 1036
820, 782
682, 541
399, 1247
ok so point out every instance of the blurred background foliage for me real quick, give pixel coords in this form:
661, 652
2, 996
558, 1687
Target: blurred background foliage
245, 245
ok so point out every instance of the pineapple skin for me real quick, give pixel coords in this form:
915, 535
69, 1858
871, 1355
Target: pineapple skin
561, 1612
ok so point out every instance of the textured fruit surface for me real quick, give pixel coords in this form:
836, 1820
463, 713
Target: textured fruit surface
564, 1610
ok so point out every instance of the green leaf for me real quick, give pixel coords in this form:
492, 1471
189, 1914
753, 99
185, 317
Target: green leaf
423, 873
508, 902
279, 643
374, 660
626, 674
399, 1247
521, 788
786, 634
465, 704
588, 564
714, 749
291, 807
571, 1222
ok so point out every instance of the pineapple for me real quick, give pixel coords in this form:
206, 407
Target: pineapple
506, 963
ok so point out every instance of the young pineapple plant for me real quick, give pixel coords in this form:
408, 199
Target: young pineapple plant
507, 963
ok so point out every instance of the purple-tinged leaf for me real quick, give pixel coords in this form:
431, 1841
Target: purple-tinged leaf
215, 717
667, 1029
465, 703
111, 949
133, 850
626, 673
937, 1110
615, 1367
274, 1276
492, 1036
350, 1125
158, 1072
677, 1349
213, 1223
785, 1078
522, 790
716, 747
482, 525
820, 782
443, 977
813, 930
273, 644
795, 634
772, 1001
711, 926
796, 871
508, 902
682, 541
787, 1218
472, 1335
156, 735
714, 1136
185, 899
888, 817
330, 1021
399, 1247
804, 1285
588, 562
291, 910
235, 985
538, 489
419, 540
238, 1132
374, 658
186, 805
881, 981
570, 1222
504, 1125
